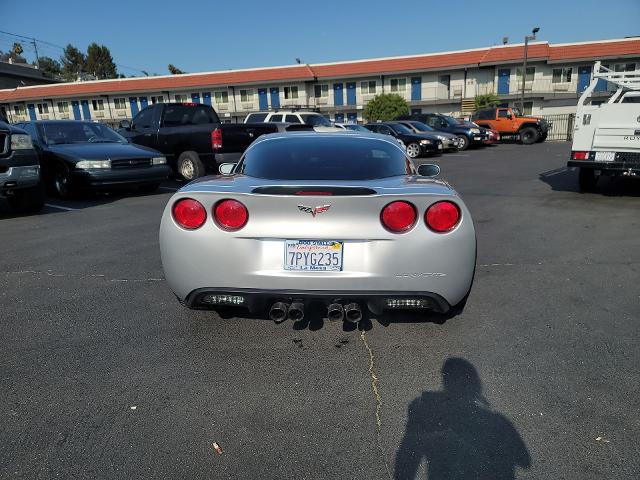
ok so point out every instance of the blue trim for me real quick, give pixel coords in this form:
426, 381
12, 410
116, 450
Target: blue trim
32, 111
262, 99
133, 101
195, 97
275, 97
416, 88
143, 102
504, 75
206, 98
337, 95
75, 106
86, 113
351, 93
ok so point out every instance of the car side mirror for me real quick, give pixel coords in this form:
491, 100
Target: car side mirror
226, 168
428, 170
126, 124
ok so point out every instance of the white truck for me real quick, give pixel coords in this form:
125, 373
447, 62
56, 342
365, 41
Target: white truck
606, 138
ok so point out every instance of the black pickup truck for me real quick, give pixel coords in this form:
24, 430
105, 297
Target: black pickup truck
191, 136
20, 183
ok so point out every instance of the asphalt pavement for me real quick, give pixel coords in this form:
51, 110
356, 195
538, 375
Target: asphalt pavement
103, 374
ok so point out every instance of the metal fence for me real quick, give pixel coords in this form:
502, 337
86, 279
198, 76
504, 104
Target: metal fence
561, 126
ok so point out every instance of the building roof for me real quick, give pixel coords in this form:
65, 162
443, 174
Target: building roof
595, 50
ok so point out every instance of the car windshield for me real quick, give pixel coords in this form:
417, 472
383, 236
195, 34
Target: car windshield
315, 120
400, 128
56, 133
450, 120
353, 126
324, 158
421, 127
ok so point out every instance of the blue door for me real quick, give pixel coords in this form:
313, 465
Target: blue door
32, 111
275, 97
206, 98
133, 101
195, 97
337, 95
503, 81
339, 117
143, 102
352, 117
584, 78
75, 106
416, 88
351, 93
262, 99
86, 113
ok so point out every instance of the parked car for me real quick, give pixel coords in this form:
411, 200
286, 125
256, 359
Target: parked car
342, 220
467, 136
191, 136
449, 140
78, 155
20, 183
319, 122
509, 122
416, 144
492, 135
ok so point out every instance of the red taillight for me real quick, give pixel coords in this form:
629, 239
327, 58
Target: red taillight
442, 216
230, 214
398, 216
216, 139
189, 213
580, 155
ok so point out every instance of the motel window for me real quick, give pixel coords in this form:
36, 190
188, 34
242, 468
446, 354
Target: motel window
528, 108
321, 91
531, 72
19, 109
221, 97
624, 67
43, 108
562, 75
290, 92
63, 107
120, 103
398, 84
368, 87
181, 98
97, 105
246, 95
157, 99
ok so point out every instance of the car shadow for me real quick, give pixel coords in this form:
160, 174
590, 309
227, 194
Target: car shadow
456, 433
565, 179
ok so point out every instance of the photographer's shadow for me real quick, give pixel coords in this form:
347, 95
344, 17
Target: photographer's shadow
457, 434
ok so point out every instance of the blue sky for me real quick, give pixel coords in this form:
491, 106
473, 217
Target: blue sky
205, 35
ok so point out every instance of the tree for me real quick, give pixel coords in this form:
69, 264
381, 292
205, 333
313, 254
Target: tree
49, 67
73, 61
386, 106
488, 100
14, 55
99, 62
174, 70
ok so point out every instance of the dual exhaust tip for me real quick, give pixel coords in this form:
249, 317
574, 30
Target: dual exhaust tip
336, 312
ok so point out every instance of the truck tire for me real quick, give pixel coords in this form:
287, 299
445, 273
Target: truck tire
587, 180
529, 135
189, 166
463, 142
27, 200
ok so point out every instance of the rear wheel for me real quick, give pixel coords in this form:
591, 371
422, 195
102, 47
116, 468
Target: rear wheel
413, 150
587, 179
27, 200
190, 166
529, 135
463, 142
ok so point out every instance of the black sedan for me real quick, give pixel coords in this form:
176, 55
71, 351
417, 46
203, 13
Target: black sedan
77, 155
417, 145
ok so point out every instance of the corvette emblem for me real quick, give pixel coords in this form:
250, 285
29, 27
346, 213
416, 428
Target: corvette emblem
314, 210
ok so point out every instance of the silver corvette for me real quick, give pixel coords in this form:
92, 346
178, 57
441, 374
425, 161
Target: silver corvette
344, 221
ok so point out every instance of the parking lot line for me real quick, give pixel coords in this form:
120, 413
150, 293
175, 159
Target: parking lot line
59, 207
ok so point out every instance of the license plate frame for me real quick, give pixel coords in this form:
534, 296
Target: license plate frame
330, 260
605, 156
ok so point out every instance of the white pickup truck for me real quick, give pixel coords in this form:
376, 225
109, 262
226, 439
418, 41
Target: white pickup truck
606, 138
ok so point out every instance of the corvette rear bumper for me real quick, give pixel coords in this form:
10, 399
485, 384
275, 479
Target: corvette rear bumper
256, 300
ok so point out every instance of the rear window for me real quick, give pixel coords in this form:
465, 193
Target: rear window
324, 158
179, 115
256, 117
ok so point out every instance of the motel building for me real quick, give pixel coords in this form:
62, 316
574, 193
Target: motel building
444, 82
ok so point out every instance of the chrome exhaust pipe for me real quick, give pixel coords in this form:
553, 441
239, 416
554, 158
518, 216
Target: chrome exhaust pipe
296, 311
335, 312
352, 313
278, 312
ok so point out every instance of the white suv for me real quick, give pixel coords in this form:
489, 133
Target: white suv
317, 121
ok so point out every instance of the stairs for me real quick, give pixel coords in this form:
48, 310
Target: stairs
468, 105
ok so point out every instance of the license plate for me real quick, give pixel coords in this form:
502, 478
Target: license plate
605, 156
315, 255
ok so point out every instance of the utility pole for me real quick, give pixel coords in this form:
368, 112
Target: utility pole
35, 48
524, 64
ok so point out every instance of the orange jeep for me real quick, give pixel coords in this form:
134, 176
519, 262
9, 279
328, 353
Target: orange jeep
511, 123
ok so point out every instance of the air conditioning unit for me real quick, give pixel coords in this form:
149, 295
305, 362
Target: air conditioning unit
223, 107
99, 114
44, 117
64, 116
121, 113
322, 101
457, 92
247, 106
561, 87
